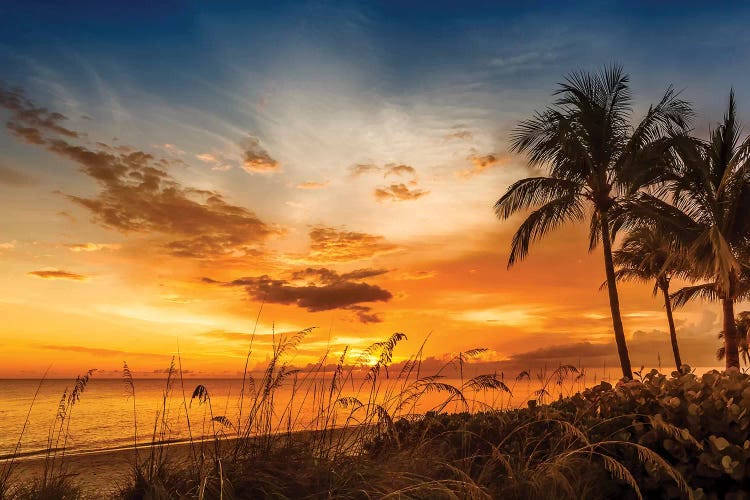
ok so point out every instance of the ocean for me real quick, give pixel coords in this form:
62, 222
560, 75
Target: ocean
104, 417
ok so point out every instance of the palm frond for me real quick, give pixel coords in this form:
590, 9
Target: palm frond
543, 220
705, 291
532, 191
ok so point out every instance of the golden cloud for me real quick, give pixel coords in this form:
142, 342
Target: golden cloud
480, 163
399, 170
255, 159
329, 244
399, 192
138, 195
92, 247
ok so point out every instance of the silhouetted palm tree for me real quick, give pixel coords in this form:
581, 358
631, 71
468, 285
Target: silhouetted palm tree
742, 322
709, 214
648, 256
592, 156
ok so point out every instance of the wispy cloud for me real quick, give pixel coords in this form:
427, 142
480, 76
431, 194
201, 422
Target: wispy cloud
92, 247
57, 274
312, 185
364, 168
15, 178
28, 122
459, 134
217, 161
98, 351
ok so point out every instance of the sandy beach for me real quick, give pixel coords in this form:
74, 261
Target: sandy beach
99, 473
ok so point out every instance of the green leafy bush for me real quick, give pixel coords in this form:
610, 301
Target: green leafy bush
700, 426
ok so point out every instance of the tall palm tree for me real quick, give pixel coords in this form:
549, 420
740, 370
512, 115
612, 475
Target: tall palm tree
649, 256
709, 213
742, 321
593, 156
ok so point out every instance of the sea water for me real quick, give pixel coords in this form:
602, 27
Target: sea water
105, 416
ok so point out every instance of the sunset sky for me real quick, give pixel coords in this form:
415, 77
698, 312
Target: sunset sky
166, 170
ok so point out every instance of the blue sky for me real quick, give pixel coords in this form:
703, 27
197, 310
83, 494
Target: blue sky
169, 46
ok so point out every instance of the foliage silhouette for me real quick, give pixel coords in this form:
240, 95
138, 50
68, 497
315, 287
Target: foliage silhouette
593, 157
646, 255
708, 211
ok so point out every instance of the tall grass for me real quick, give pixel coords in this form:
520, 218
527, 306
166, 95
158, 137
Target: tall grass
357, 429
56, 481
353, 427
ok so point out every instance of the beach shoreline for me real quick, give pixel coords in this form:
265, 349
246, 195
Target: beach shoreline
99, 473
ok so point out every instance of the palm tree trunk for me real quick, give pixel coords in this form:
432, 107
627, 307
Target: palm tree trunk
672, 332
614, 300
731, 350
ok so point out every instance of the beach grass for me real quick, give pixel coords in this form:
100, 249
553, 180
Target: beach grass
371, 435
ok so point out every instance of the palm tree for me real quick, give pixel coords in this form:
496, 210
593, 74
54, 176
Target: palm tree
742, 322
709, 214
593, 156
649, 256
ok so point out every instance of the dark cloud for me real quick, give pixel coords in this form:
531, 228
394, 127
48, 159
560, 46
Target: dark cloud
314, 289
15, 178
399, 192
364, 314
697, 342
29, 122
29, 135
57, 274
565, 353
328, 244
167, 371
255, 159
138, 195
